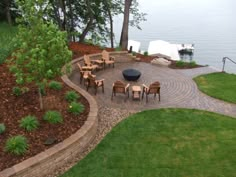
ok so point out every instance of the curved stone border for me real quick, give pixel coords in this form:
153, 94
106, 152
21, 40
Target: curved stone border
49, 160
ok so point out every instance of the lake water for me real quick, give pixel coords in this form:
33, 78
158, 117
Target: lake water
209, 24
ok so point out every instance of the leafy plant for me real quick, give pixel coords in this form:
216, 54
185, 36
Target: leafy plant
76, 108
41, 47
2, 128
16, 145
180, 63
134, 53
29, 123
145, 53
17, 91
55, 85
192, 63
72, 96
53, 117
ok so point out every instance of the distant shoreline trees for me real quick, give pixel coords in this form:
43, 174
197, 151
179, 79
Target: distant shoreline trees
90, 20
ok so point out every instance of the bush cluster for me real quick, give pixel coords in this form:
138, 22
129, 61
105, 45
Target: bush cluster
16, 145
182, 63
72, 96
29, 123
76, 108
53, 117
55, 85
2, 128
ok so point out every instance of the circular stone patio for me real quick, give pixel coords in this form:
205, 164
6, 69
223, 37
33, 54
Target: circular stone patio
177, 88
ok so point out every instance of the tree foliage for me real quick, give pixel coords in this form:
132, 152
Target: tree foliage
41, 47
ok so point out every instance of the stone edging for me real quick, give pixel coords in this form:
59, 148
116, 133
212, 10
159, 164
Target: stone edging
51, 159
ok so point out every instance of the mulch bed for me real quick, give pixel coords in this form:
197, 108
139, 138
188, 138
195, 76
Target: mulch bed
14, 108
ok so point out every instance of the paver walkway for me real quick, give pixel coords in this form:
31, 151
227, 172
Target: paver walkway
178, 90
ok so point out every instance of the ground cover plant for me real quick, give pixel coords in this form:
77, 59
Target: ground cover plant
218, 85
181, 64
165, 142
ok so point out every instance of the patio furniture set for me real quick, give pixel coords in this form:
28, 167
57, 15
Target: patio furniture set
86, 75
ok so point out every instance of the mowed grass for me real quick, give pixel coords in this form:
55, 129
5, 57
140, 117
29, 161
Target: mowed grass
218, 85
165, 143
7, 33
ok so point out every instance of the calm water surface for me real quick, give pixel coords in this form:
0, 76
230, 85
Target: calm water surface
209, 24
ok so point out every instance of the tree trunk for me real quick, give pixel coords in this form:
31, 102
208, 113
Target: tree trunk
40, 99
71, 35
89, 24
55, 6
111, 28
125, 28
8, 12
63, 8
86, 30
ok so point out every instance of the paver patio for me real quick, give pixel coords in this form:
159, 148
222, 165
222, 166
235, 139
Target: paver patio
177, 88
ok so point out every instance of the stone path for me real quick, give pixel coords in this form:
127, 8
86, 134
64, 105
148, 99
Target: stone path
178, 90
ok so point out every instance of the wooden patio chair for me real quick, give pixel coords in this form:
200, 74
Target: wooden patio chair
120, 87
84, 71
92, 82
154, 88
108, 60
90, 63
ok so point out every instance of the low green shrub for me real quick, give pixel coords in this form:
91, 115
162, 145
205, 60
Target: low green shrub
53, 117
145, 53
55, 85
16, 145
76, 108
29, 123
192, 63
180, 63
72, 96
17, 91
2, 128
134, 53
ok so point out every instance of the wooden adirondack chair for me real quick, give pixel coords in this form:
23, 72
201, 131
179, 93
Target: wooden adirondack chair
154, 88
120, 87
108, 60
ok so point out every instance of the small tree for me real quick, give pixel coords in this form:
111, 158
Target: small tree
41, 48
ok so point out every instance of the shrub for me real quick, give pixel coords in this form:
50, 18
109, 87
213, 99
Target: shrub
2, 128
53, 117
76, 108
180, 63
134, 53
192, 63
16, 145
72, 96
17, 91
55, 85
145, 53
29, 123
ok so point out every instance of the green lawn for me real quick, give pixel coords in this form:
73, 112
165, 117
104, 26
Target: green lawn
165, 142
6, 45
218, 85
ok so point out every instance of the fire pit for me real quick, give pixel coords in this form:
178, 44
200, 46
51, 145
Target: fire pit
131, 74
